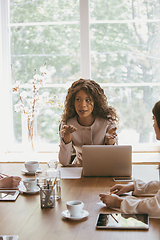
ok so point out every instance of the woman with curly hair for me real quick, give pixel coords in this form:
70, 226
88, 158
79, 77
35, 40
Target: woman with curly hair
87, 119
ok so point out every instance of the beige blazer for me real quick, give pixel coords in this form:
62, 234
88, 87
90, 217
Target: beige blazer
94, 134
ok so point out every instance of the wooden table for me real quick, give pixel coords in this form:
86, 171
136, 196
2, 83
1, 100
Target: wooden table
25, 218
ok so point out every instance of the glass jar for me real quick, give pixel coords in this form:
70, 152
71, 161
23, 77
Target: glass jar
54, 174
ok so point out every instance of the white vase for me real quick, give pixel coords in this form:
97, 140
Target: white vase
29, 141
30, 150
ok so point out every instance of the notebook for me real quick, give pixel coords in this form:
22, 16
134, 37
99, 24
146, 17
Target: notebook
107, 160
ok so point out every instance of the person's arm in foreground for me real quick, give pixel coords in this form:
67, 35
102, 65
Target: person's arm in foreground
9, 182
131, 204
113, 200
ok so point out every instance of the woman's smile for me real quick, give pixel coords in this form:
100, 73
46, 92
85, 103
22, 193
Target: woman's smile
83, 111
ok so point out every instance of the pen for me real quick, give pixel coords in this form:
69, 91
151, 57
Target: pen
62, 130
113, 192
48, 184
41, 189
48, 197
54, 182
114, 218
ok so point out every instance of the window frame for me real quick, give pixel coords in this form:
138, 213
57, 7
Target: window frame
6, 135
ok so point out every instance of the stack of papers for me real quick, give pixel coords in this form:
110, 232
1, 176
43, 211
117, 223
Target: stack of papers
70, 172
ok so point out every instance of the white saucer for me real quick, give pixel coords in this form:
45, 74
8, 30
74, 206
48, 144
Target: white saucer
22, 189
25, 171
83, 214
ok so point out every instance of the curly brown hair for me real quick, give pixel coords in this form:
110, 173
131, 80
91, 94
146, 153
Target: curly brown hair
93, 89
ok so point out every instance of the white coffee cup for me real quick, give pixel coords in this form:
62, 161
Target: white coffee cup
75, 207
30, 184
32, 165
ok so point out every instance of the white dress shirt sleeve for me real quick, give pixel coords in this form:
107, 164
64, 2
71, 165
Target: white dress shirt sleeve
149, 205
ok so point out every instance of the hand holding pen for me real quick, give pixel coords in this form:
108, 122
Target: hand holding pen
68, 129
113, 192
67, 132
122, 188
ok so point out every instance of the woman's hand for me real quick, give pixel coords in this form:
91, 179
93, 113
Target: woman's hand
10, 182
110, 136
68, 130
111, 200
122, 188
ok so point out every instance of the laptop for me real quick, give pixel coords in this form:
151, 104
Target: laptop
107, 160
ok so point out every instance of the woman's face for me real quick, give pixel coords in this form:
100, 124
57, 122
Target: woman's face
84, 104
156, 128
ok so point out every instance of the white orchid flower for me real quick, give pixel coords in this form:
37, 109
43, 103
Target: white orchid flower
37, 77
24, 94
17, 107
36, 96
43, 69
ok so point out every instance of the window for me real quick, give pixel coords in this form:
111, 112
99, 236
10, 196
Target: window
115, 43
125, 60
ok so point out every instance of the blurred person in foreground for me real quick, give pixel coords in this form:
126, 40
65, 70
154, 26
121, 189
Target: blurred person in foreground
131, 204
9, 181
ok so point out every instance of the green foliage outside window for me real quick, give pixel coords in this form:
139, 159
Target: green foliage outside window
124, 38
